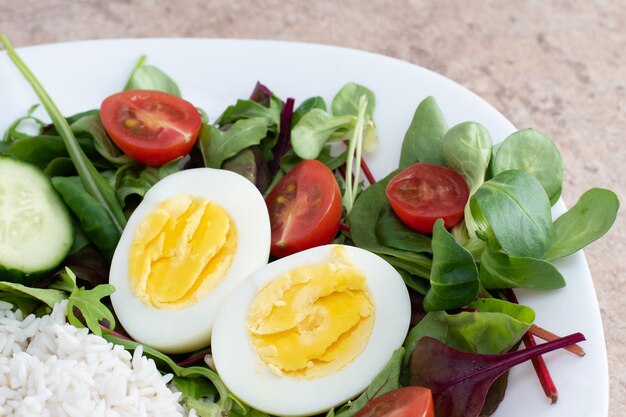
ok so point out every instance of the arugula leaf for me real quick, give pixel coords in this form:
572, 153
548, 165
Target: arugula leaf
136, 179
217, 146
89, 304
249, 109
454, 275
387, 380
148, 77
191, 374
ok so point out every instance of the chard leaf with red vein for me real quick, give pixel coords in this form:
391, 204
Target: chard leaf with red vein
461, 380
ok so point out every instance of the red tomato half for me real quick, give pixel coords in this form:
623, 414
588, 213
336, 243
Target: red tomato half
304, 208
401, 402
151, 127
423, 193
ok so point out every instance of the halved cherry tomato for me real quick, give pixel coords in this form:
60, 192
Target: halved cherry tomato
400, 402
423, 193
304, 208
151, 127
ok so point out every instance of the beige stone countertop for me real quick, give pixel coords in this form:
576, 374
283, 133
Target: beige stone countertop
559, 66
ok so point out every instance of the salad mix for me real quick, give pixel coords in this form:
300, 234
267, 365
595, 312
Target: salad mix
460, 221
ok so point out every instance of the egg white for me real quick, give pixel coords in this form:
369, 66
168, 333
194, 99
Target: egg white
254, 383
187, 329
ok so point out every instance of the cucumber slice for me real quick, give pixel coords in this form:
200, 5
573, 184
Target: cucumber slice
36, 231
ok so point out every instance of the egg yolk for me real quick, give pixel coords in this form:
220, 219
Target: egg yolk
313, 320
181, 250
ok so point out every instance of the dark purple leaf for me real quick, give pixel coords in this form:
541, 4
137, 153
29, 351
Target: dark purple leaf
89, 266
261, 94
461, 380
283, 145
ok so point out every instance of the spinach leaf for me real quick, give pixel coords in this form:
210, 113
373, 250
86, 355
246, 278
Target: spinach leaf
499, 270
387, 380
533, 152
93, 218
135, 179
93, 182
362, 220
422, 140
91, 126
41, 150
217, 146
506, 323
590, 218
314, 129
148, 77
454, 275
392, 232
413, 281
513, 208
61, 167
467, 150
306, 106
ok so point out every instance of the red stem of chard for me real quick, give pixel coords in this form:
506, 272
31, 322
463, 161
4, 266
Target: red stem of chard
541, 369
367, 172
549, 336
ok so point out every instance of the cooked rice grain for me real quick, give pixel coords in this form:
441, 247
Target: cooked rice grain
49, 368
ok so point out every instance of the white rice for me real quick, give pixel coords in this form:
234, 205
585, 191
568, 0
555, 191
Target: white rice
49, 368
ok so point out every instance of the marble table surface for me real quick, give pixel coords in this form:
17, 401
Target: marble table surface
558, 66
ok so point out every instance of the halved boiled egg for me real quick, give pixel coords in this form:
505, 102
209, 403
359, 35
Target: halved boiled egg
195, 236
310, 331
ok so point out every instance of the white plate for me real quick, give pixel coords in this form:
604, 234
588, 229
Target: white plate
214, 73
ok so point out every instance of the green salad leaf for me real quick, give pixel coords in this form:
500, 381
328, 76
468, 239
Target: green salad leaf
422, 140
454, 275
514, 208
217, 146
148, 77
500, 270
533, 152
590, 218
